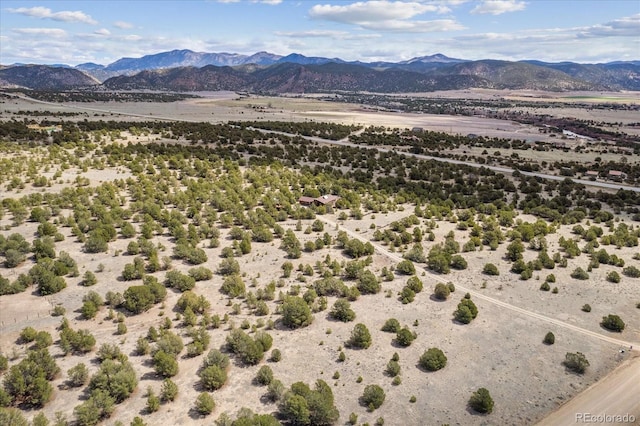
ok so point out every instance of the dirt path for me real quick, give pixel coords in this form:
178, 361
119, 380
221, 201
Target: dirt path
613, 400
397, 258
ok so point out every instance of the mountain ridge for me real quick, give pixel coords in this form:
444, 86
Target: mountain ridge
184, 69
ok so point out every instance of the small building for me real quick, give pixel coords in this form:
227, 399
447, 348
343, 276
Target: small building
417, 130
306, 201
591, 174
617, 175
325, 200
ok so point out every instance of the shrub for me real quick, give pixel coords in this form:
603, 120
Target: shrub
545, 286
458, 262
466, 311
276, 355
168, 390
264, 375
631, 271
549, 339
490, 269
115, 377
576, 362
342, 311
89, 279
393, 368
613, 277
100, 405
360, 337
433, 359
249, 350
368, 283
481, 401
212, 377
391, 326
275, 391
28, 335
372, 397
414, 284
404, 337
295, 312
205, 403
579, 274
138, 298
165, 364
405, 267
586, 308
441, 291
179, 281
200, 273
613, 323
43, 340
407, 295
153, 402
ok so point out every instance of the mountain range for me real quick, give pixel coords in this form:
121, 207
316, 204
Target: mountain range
185, 70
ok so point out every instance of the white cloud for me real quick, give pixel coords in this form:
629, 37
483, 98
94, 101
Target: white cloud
382, 15
46, 13
336, 35
123, 25
498, 7
623, 27
102, 32
48, 32
370, 11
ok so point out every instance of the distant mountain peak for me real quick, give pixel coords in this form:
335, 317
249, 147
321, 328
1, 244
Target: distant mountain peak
436, 58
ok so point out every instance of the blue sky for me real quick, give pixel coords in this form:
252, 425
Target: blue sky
73, 32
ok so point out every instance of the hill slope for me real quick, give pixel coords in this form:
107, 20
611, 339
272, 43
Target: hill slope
42, 77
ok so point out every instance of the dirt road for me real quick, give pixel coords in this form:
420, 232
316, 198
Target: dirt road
614, 400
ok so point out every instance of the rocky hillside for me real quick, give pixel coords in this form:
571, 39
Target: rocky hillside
298, 78
42, 77
308, 74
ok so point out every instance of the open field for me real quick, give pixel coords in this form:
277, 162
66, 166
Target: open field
500, 350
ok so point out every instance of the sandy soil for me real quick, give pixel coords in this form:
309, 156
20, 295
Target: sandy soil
501, 350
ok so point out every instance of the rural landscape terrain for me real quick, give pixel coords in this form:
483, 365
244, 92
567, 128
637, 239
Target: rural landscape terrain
201, 245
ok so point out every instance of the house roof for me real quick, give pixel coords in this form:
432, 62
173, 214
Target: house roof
615, 172
327, 199
305, 199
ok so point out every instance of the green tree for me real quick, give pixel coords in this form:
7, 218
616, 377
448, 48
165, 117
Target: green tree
212, 377
481, 401
549, 339
342, 311
368, 283
433, 359
613, 323
466, 311
264, 375
441, 291
360, 337
287, 268
78, 375
404, 337
138, 298
490, 269
205, 403
12, 417
165, 364
295, 312
576, 362
406, 267
391, 326
168, 390
372, 397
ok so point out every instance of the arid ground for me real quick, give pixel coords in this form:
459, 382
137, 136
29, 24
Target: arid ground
500, 350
